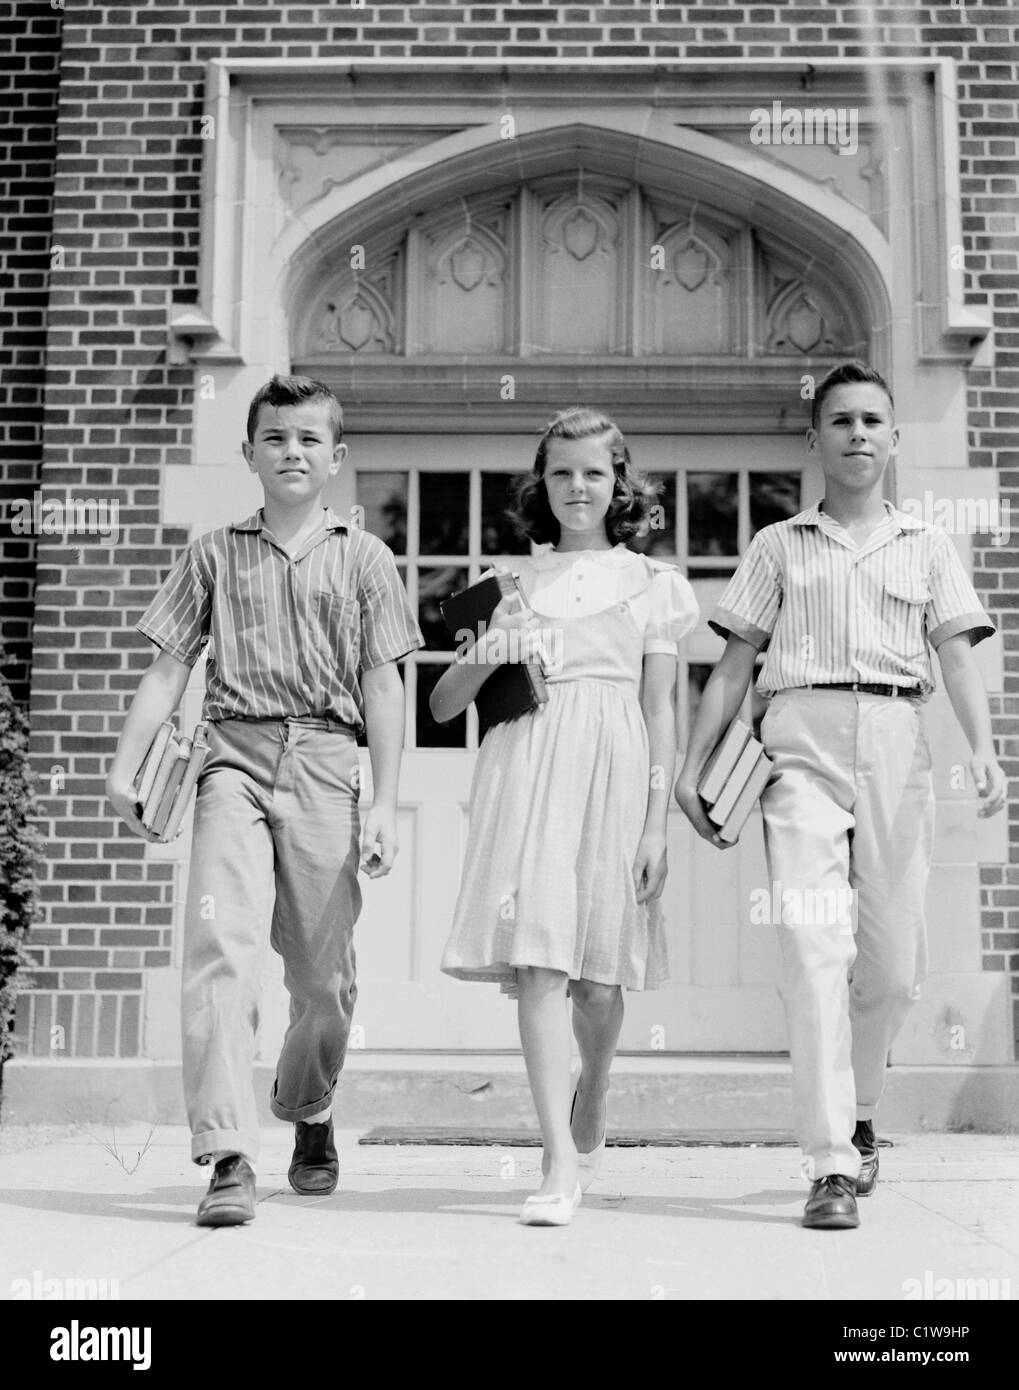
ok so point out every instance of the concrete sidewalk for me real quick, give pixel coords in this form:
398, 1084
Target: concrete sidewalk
90, 1203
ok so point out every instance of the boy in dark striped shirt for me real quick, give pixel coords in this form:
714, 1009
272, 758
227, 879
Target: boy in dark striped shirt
306, 618
846, 600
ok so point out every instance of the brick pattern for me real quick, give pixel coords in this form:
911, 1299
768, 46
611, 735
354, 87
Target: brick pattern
28, 113
127, 216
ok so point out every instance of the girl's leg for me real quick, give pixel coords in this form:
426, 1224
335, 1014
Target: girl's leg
545, 1038
597, 1020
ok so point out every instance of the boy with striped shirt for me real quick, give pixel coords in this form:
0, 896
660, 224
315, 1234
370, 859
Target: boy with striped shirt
846, 599
305, 618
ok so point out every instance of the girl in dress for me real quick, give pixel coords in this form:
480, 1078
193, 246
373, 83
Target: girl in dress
565, 861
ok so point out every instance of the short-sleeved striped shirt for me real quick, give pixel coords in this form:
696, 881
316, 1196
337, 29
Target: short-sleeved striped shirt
288, 635
829, 611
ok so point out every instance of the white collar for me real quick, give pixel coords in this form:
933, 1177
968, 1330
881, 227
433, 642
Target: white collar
547, 558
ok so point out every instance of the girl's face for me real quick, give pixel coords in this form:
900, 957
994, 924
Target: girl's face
579, 480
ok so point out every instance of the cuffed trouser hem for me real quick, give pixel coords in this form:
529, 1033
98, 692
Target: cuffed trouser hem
827, 1168
227, 1141
300, 1112
866, 1112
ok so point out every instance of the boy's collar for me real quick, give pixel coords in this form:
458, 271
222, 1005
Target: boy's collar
812, 517
332, 522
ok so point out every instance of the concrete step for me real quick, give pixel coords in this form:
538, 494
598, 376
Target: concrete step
697, 1094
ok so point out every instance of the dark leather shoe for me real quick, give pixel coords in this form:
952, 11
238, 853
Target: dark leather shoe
831, 1205
315, 1166
230, 1200
864, 1140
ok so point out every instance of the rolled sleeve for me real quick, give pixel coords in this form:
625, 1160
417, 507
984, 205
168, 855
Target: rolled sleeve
750, 602
389, 629
953, 606
177, 620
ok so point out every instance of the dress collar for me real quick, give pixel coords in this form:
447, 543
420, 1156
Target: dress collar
546, 557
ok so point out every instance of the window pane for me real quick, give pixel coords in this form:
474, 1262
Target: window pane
384, 499
498, 536
713, 502
429, 733
444, 509
434, 585
723, 570
661, 538
773, 497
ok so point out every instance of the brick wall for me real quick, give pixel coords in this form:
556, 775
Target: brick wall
127, 214
28, 112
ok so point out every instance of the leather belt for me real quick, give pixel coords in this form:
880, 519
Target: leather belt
901, 692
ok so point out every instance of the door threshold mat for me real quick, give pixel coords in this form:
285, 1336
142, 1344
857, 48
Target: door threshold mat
530, 1139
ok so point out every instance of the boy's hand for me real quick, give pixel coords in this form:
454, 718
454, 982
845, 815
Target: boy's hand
379, 844
650, 867
693, 808
990, 783
128, 808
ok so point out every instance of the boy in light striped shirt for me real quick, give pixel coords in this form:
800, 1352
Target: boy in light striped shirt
846, 600
306, 618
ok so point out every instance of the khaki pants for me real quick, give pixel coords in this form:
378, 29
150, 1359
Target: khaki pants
849, 822
276, 806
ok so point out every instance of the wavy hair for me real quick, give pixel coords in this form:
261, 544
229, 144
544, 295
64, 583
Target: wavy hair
632, 495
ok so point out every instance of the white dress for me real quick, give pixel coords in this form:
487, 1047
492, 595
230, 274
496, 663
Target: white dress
559, 795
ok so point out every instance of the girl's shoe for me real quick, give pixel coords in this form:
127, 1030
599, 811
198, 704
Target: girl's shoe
588, 1163
555, 1210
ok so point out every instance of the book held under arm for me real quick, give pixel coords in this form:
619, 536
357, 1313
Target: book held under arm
513, 688
166, 779
733, 779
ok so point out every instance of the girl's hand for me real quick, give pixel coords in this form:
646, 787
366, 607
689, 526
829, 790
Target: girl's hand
990, 783
650, 867
514, 633
693, 808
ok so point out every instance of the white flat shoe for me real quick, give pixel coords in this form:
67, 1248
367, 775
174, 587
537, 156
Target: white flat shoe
554, 1210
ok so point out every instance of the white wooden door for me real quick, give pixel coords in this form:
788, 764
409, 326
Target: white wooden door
436, 500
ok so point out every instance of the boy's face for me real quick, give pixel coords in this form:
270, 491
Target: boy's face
293, 451
856, 435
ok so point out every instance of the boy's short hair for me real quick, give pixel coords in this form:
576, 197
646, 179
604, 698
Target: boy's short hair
295, 390
632, 495
845, 374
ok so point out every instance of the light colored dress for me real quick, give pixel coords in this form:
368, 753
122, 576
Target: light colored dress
559, 795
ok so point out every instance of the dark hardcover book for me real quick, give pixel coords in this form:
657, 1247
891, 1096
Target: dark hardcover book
514, 688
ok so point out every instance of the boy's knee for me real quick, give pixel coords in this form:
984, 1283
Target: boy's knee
894, 994
593, 998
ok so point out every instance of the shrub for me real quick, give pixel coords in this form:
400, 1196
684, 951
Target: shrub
20, 857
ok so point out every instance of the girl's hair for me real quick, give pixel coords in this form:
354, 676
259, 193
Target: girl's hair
632, 495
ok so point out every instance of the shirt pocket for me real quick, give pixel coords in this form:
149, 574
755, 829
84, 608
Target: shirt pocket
337, 620
904, 603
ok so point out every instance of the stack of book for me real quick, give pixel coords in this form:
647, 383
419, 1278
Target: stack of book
166, 779
513, 688
733, 779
